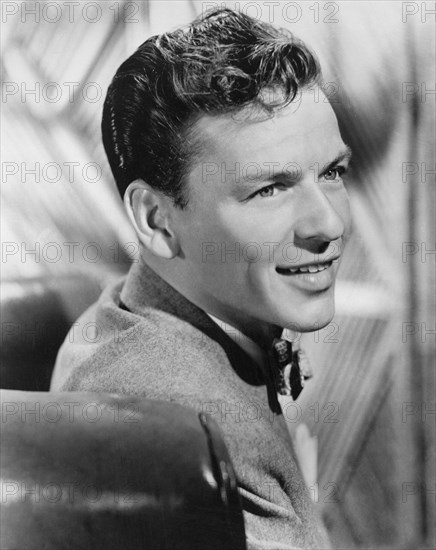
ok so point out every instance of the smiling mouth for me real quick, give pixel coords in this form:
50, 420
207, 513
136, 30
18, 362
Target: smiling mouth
313, 268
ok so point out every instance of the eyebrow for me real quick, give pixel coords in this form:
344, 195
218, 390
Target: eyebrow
344, 155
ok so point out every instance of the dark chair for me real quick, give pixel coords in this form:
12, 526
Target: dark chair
36, 316
92, 471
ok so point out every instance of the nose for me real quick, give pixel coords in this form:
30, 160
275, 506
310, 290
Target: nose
319, 222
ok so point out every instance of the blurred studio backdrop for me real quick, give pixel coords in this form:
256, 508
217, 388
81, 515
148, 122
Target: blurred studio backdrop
64, 233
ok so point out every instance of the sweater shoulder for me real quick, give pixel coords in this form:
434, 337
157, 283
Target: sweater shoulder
109, 349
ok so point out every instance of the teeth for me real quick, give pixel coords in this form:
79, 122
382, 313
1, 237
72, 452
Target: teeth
309, 269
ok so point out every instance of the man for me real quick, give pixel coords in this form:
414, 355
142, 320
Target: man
231, 174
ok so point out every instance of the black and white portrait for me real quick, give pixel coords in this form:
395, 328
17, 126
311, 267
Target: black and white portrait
217, 271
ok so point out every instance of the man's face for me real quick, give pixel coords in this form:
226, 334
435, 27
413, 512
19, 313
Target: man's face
267, 217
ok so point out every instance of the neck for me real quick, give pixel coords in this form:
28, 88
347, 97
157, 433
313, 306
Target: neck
259, 331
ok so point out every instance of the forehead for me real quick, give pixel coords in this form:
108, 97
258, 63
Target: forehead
303, 131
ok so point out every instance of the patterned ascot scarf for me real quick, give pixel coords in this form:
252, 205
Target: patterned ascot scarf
290, 367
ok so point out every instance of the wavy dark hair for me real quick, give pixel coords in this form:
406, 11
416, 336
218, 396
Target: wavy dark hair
218, 64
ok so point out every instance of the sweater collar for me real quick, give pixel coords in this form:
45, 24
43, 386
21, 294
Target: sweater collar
144, 289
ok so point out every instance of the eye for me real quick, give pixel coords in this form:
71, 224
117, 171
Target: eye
266, 191
334, 173
269, 191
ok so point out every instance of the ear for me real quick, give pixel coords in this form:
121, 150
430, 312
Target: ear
148, 212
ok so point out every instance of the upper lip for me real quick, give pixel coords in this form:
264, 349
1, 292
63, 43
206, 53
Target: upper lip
323, 261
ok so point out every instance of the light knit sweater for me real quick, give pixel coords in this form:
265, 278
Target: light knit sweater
167, 348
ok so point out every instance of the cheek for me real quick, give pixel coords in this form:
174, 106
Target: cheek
210, 241
258, 225
340, 202
223, 231
345, 212
194, 238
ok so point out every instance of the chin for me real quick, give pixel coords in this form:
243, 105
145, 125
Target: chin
308, 317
